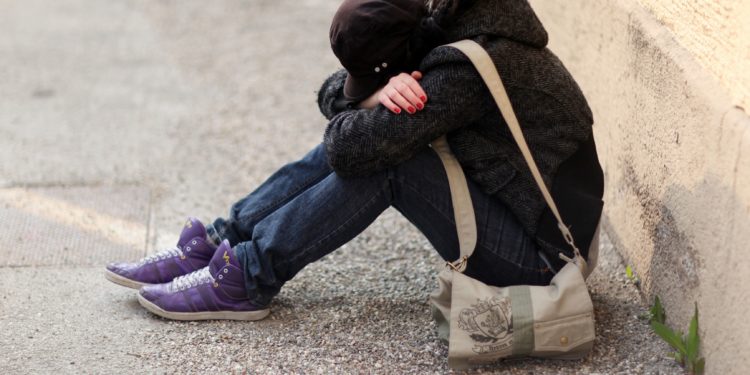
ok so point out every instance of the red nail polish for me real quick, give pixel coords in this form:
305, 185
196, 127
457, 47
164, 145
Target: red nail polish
411, 109
397, 110
420, 105
424, 98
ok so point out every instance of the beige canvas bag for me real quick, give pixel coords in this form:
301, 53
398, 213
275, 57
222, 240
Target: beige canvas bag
484, 323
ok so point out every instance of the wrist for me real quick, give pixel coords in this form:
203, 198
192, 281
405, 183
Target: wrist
370, 102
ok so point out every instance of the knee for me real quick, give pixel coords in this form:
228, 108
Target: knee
320, 156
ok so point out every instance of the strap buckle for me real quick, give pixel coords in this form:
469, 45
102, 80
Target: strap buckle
566, 258
459, 265
569, 239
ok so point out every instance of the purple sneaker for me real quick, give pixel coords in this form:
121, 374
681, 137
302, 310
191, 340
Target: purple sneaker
213, 292
193, 252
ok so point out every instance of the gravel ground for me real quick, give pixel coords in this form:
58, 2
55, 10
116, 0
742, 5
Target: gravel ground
212, 97
360, 311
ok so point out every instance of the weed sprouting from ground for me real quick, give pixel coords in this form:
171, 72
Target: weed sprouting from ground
687, 346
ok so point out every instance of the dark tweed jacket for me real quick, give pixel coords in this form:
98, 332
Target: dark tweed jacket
553, 113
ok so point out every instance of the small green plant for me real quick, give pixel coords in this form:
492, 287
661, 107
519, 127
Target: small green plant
657, 312
631, 276
687, 346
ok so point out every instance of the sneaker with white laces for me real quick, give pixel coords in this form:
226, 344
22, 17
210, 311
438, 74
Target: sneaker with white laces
193, 251
213, 292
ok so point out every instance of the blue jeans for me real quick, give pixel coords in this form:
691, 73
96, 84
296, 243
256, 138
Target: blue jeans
305, 211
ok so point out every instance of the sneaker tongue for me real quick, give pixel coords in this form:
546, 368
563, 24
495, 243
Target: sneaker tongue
193, 228
223, 257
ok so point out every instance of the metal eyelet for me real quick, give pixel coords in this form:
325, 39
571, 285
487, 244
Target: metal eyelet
221, 277
187, 248
194, 242
182, 257
226, 270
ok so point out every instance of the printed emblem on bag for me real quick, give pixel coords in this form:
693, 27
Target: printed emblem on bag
490, 324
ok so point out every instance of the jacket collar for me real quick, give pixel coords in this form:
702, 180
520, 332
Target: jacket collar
510, 19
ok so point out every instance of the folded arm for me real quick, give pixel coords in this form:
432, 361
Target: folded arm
364, 141
331, 99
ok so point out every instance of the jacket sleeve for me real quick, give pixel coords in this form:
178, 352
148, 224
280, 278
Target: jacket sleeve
331, 95
360, 142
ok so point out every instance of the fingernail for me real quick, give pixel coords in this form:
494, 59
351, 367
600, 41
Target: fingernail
420, 105
397, 110
424, 98
411, 109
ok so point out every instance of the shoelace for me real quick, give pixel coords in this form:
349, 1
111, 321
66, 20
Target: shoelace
191, 280
163, 254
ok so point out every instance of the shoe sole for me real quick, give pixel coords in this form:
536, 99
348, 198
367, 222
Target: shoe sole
205, 315
124, 281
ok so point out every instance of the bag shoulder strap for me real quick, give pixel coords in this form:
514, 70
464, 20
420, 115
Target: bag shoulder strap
463, 209
487, 70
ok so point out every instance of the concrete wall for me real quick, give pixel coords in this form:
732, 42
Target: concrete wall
675, 147
717, 34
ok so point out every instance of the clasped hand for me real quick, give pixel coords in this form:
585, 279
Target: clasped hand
401, 93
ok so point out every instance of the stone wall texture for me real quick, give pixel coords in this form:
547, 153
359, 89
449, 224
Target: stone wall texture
717, 33
666, 81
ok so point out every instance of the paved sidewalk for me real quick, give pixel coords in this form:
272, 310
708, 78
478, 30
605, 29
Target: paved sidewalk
120, 119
